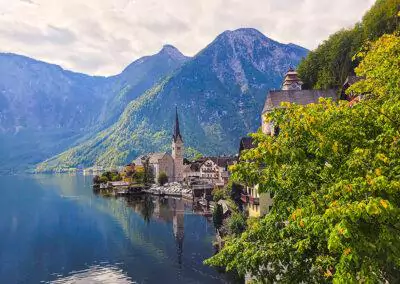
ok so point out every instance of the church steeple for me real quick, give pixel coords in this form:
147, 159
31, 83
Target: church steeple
291, 81
177, 150
177, 132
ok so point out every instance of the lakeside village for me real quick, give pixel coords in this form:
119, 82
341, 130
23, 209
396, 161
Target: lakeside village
205, 181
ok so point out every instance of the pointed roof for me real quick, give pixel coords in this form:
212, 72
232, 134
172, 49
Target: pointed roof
177, 132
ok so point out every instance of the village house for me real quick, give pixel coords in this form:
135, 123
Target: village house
210, 170
259, 204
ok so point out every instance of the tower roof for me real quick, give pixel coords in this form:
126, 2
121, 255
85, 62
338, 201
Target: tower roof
177, 132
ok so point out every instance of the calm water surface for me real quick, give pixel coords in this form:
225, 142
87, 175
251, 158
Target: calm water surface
53, 229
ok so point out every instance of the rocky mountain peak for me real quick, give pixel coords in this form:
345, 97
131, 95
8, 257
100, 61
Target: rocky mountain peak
172, 52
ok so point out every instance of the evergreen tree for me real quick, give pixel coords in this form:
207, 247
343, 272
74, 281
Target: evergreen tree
218, 216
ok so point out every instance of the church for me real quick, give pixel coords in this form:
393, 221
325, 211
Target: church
163, 162
172, 165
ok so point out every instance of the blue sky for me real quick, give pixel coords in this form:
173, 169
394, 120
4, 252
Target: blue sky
103, 36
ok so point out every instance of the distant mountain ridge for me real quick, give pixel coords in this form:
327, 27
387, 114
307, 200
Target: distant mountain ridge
219, 94
45, 109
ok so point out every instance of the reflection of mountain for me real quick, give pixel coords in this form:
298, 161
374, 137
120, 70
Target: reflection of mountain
80, 186
120, 233
167, 210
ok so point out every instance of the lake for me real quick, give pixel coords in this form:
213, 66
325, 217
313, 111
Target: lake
54, 229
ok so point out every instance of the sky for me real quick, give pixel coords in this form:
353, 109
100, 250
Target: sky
101, 37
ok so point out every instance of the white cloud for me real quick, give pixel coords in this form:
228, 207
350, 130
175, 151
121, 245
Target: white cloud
103, 36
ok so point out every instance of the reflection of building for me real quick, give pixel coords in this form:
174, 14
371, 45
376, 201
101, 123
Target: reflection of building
172, 165
178, 220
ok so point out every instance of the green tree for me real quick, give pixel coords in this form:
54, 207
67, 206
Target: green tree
236, 224
96, 179
218, 194
162, 178
335, 171
218, 216
148, 176
330, 64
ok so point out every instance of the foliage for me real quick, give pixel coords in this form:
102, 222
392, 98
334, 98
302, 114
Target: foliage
218, 194
335, 171
103, 179
236, 224
108, 176
129, 171
139, 174
148, 176
383, 18
218, 216
96, 179
330, 64
162, 178
236, 194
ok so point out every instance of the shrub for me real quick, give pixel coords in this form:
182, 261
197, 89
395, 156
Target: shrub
162, 178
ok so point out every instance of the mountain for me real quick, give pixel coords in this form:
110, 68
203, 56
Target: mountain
219, 94
45, 109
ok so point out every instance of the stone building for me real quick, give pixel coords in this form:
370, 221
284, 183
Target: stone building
259, 204
172, 165
291, 92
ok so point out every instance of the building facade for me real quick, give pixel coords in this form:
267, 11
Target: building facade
210, 170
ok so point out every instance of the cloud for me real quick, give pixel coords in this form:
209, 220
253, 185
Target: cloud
102, 37
27, 1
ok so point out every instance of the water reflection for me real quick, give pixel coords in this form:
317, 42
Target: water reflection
165, 210
53, 228
96, 275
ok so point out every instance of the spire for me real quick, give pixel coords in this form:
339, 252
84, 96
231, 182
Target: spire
177, 132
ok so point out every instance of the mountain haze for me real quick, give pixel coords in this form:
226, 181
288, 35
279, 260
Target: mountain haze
219, 94
45, 109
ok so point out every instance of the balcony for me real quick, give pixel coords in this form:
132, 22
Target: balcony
254, 200
244, 198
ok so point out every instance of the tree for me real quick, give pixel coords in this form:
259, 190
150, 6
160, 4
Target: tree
162, 178
218, 194
148, 177
236, 224
330, 64
218, 216
129, 171
334, 170
236, 194
96, 180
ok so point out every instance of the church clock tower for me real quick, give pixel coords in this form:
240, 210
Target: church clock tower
292, 81
177, 150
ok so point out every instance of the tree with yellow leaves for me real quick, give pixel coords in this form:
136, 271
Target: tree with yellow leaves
335, 174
